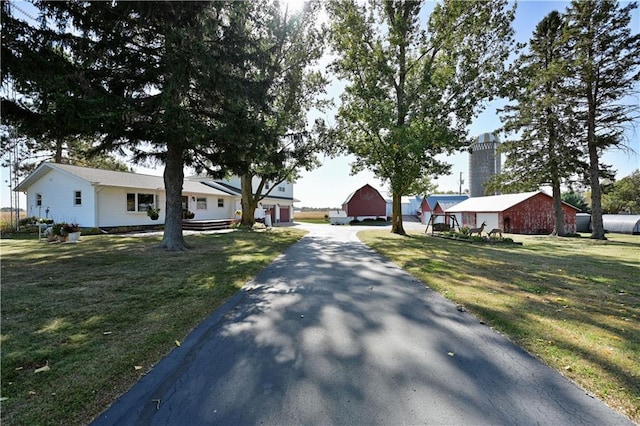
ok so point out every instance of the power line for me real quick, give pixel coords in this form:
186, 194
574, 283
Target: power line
13, 5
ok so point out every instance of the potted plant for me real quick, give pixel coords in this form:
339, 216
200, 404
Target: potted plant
153, 213
189, 215
57, 232
73, 232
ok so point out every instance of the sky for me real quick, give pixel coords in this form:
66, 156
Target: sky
330, 184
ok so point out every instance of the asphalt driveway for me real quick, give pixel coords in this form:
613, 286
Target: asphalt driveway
332, 333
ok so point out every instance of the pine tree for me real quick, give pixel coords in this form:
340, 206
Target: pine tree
604, 63
545, 152
163, 81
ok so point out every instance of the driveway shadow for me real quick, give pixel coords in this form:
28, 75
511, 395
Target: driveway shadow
333, 333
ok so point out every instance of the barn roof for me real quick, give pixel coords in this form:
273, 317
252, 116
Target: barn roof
495, 203
350, 196
444, 205
432, 200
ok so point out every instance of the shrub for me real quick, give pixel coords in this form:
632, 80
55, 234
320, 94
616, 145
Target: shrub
28, 221
58, 229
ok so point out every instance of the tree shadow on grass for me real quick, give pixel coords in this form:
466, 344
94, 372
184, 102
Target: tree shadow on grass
333, 333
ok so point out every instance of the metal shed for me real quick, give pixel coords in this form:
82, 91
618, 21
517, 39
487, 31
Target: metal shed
622, 223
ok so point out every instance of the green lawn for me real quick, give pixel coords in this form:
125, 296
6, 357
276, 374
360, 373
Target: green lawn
102, 312
573, 302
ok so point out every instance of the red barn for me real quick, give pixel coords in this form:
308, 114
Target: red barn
526, 213
365, 202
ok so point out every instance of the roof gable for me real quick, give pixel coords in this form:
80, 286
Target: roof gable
350, 196
433, 199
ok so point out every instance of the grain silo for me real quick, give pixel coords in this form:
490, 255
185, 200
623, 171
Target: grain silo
484, 162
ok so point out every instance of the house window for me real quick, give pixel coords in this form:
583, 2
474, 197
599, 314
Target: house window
201, 203
39, 200
77, 198
281, 188
137, 202
220, 202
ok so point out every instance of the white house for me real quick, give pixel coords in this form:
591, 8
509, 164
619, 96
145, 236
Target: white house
107, 198
278, 203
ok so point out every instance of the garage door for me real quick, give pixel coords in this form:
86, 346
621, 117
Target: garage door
284, 214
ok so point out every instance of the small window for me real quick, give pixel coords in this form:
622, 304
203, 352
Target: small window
131, 202
77, 198
281, 188
220, 202
39, 200
201, 203
267, 186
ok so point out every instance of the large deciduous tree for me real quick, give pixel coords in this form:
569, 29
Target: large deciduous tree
623, 196
545, 151
281, 140
604, 61
412, 92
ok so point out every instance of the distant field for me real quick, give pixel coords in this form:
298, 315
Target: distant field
311, 217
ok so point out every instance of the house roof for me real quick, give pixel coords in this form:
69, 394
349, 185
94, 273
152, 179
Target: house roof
494, 203
232, 190
100, 177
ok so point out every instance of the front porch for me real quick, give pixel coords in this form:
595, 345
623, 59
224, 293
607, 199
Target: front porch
206, 224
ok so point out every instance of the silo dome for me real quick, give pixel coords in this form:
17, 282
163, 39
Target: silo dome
484, 162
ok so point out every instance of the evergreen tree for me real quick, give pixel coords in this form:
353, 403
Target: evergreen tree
604, 62
545, 152
164, 81
411, 93
576, 200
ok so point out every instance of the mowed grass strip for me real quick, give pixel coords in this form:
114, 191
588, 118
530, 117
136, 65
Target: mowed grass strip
102, 312
573, 302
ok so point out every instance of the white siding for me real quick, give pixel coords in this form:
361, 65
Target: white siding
58, 191
212, 211
491, 219
111, 208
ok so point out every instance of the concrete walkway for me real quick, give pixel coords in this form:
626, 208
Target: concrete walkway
332, 333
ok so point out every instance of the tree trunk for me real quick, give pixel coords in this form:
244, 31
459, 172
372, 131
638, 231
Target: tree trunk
558, 213
396, 215
597, 227
173, 239
249, 202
